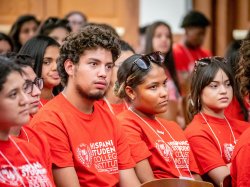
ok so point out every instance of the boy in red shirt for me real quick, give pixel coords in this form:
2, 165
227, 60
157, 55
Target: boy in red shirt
240, 168
88, 146
189, 50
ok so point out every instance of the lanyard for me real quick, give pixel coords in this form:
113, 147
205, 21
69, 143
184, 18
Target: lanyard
180, 175
110, 106
218, 142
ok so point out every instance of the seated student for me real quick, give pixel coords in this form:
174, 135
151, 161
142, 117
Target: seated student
159, 147
22, 163
240, 168
211, 135
45, 51
6, 44
190, 48
87, 144
111, 102
76, 20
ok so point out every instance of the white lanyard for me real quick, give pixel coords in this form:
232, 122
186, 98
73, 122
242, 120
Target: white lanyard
13, 167
28, 140
110, 107
180, 175
215, 134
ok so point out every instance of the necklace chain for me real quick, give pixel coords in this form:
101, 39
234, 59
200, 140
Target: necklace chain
180, 175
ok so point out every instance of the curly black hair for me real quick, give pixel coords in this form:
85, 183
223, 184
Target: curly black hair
90, 37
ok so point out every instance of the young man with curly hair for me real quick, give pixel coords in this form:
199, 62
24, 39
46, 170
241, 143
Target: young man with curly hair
87, 144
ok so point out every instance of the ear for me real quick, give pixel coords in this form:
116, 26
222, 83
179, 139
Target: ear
69, 67
130, 93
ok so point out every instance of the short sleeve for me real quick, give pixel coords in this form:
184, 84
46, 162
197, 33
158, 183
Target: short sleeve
139, 148
52, 127
206, 154
125, 161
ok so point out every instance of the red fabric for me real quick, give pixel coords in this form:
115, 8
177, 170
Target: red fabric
204, 144
233, 110
91, 143
240, 168
33, 173
43, 102
184, 57
116, 108
40, 141
144, 143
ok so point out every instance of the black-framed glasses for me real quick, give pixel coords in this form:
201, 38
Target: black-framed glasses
29, 85
144, 61
208, 60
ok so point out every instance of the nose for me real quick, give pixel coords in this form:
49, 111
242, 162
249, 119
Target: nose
164, 91
36, 91
102, 71
54, 66
223, 89
24, 99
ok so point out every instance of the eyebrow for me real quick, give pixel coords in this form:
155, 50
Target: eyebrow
97, 60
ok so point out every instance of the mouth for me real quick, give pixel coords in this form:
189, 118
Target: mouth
35, 103
101, 84
55, 76
163, 103
224, 99
24, 112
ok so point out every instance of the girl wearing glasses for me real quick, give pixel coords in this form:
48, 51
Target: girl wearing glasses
45, 51
211, 134
21, 161
158, 146
159, 38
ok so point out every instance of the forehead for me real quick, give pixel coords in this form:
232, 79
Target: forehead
99, 53
29, 73
220, 76
13, 80
155, 74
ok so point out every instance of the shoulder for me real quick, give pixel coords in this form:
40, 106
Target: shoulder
195, 127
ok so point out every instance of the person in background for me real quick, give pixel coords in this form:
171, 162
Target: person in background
22, 163
76, 20
240, 168
55, 28
159, 147
6, 44
110, 101
238, 108
211, 134
88, 146
45, 51
22, 30
159, 38
190, 48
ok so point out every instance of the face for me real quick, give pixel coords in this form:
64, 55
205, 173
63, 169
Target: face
151, 97
195, 36
49, 69
76, 22
124, 55
27, 31
14, 108
59, 34
34, 96
4, 47
161, 39
218, 94
91, 76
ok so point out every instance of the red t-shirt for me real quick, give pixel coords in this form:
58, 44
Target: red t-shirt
93, 144
185, 57
30, 172
145, 143
113, 108
240, 168
204, 144
41, 142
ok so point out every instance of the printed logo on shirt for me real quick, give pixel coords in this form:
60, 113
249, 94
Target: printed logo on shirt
228, 151
177, 150
101, 155
32, 175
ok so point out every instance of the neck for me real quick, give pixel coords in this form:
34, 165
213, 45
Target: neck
142, 114
4, 134
15, 131
218, 114
85, 105
47, 93
111, 97
187, 44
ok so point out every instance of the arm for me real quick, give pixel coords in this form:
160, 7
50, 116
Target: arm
197, 177
65, 177
218, 174
144, 171
128, 178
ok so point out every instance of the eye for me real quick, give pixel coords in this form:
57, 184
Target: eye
228, 84
13, 94
46, 62
93, 64
153, 87
213, 85
109, 66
